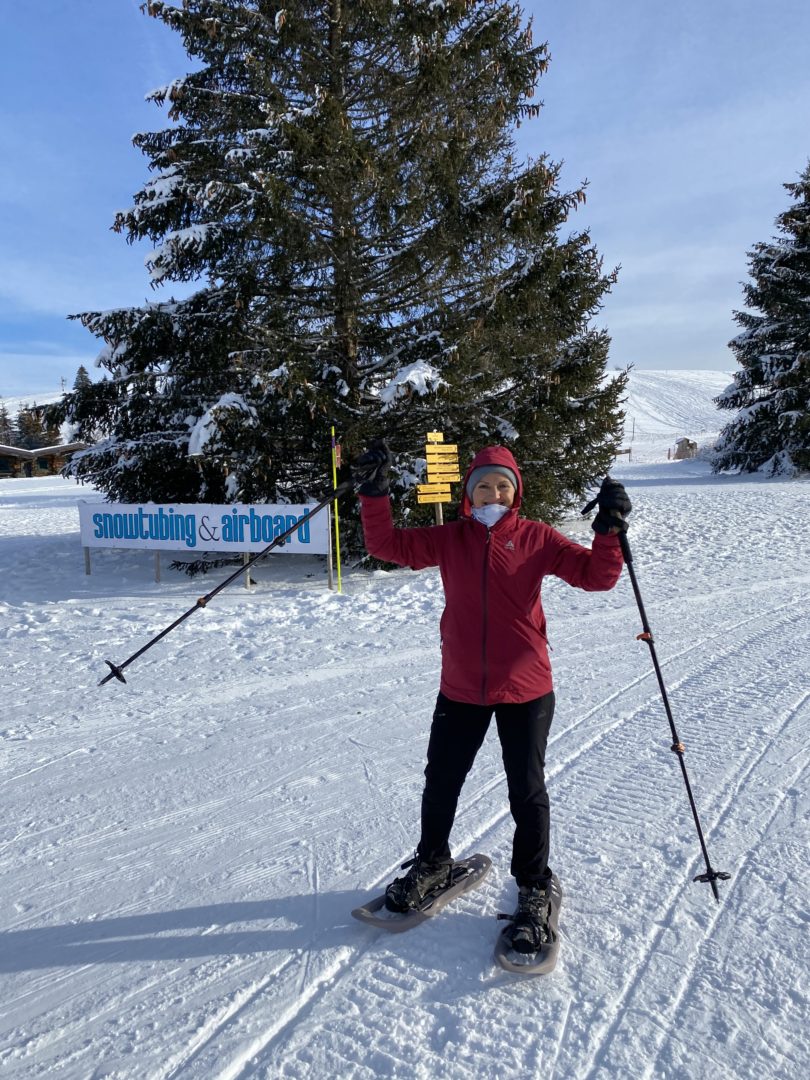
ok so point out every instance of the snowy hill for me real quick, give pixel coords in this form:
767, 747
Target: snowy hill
180, 855
14, 404
662, 406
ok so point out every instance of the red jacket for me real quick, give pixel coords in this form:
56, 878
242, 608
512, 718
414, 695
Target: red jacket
493, 630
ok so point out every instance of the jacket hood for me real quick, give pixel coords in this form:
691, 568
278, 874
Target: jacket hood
491, 455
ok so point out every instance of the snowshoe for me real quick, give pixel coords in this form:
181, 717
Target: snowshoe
530, 944
457, 878
408, 892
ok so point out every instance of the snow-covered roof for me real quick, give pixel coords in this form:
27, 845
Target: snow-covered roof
41, 451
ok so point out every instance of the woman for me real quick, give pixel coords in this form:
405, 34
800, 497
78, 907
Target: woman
494, 657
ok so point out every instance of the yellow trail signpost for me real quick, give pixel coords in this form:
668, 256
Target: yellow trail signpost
442, 470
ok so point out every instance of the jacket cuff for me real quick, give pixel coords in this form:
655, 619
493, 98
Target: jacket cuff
606, 539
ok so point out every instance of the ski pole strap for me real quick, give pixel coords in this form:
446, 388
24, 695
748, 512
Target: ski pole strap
588, 507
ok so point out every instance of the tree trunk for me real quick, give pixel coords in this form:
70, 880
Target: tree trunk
344, 230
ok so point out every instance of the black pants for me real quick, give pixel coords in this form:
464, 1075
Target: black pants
456, 735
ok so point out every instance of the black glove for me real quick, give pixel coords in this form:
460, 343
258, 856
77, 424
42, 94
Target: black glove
370, 470
614, 504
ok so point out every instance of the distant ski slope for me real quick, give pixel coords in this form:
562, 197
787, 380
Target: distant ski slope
675, 402
662, 406
14, 404
660, 400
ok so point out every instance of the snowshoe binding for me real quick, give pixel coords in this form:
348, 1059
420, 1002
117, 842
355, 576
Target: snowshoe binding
408, 893
530, 944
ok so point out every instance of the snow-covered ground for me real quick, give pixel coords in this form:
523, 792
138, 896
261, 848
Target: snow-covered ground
180, 855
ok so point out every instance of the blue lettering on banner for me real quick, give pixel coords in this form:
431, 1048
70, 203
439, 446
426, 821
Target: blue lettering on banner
155, 524
227, 531
262, 528
143, 525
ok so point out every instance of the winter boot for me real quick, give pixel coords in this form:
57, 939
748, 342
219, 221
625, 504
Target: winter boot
530, 922
407, 893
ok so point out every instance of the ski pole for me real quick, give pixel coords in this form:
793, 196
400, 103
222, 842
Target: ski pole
116, 670
711, 876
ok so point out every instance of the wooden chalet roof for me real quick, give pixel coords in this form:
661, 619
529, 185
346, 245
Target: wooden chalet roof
42, 451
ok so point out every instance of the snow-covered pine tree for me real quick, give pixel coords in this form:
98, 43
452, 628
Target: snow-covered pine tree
340, 180
771, 391
32, 429
8, 431
82, 380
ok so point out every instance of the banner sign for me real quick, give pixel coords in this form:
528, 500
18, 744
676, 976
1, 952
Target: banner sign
202, 527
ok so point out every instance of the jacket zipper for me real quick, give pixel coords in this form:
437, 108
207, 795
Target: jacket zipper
485, 611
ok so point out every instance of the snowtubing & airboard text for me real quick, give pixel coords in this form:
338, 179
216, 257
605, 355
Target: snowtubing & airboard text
545, 959
467, 874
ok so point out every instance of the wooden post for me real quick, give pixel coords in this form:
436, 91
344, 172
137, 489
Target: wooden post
87, 560
246, 559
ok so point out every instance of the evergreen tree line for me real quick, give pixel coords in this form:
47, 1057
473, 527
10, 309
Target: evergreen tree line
35, 426
29, 429
339, 186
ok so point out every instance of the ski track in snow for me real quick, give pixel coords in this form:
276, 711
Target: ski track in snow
180, 856
598, 1043
680, 1005
608, 1046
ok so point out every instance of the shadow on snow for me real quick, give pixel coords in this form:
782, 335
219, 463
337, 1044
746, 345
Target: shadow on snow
159, 935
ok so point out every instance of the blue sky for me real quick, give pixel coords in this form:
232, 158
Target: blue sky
686, 118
